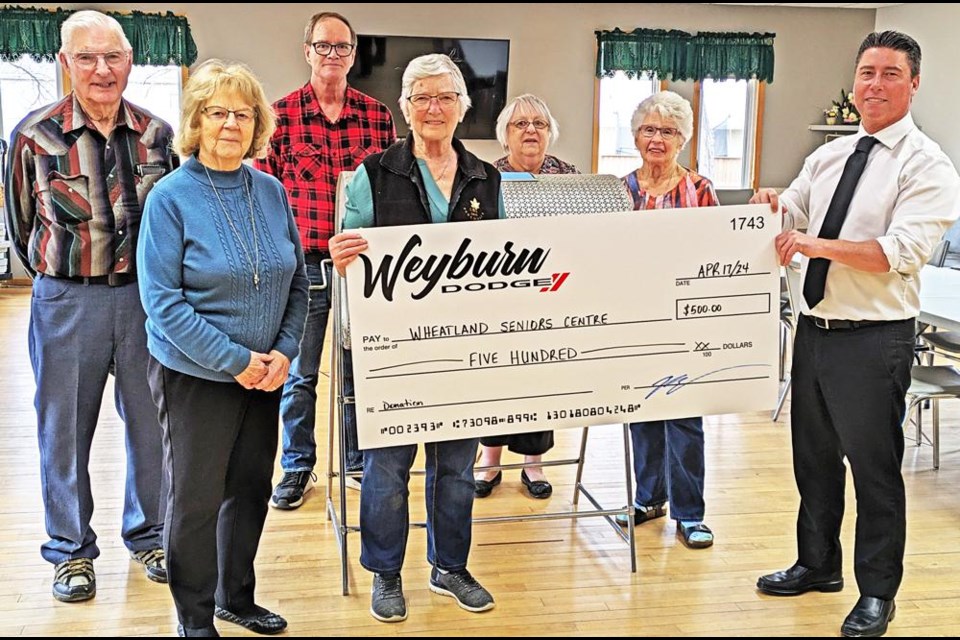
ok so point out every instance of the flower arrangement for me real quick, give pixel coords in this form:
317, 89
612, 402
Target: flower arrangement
845, 109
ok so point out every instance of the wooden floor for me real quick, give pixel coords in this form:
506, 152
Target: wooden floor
569, 577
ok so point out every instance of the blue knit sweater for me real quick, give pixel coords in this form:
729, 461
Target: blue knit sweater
204, 314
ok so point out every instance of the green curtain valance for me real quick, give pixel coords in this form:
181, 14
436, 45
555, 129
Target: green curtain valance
157, 39
679, 55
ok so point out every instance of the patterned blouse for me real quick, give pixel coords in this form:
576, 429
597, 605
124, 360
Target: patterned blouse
551, 164
693, 190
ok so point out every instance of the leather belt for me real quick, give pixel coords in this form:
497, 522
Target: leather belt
112, 280
845, 325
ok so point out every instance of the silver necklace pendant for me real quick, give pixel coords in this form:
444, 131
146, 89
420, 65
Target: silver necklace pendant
253, 261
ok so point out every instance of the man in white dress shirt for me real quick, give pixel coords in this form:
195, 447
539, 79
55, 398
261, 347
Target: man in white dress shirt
874, 205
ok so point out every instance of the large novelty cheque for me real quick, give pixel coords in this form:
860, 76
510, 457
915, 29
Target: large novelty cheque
473, 329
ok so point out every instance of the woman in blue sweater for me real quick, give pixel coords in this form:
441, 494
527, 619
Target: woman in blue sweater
223, 284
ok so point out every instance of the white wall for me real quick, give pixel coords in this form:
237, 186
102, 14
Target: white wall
552, 54
934, 27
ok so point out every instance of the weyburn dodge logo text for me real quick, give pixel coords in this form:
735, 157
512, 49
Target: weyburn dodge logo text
432, 269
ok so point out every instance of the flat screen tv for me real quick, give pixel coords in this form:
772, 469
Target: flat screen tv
381, 60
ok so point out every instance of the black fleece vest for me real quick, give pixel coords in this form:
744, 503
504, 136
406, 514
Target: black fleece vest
400, 197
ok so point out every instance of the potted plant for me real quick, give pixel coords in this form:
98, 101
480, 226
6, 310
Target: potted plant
830, 114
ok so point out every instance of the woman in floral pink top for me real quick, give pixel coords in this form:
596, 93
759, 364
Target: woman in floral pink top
668, 455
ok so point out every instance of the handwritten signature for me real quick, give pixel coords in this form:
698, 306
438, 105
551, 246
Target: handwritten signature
674, 383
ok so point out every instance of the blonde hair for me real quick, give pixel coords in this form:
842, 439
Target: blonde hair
206, 80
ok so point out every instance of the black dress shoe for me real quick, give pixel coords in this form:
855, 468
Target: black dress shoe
540, 489
266, 623
869, 618
799, 579
483, 488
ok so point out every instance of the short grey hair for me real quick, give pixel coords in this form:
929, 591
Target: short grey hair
428, 66
532, 103
89, 19
669, 105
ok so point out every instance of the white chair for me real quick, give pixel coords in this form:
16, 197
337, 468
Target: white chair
932, 383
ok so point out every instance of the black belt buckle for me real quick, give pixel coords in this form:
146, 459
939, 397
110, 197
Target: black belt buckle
823, 323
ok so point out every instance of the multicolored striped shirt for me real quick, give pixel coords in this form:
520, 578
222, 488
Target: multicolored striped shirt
693, 190
308, 152
551, 165
75, 198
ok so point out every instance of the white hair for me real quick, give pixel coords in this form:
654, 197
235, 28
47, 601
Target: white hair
428, 66
89, 19
532, 103
670, 106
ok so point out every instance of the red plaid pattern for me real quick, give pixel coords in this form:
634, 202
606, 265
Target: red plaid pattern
308, 152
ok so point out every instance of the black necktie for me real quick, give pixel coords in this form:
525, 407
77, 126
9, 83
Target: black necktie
816, 280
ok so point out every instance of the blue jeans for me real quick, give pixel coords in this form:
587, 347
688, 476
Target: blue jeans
668, 462
350, 445
76, 332
298, 407
384, 505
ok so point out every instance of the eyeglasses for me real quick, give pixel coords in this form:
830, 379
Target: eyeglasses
343, 49
667, 133
88, 59
220, 114
444, 99
539, 125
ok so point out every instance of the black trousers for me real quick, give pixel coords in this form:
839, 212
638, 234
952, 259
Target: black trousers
849, 389
529, 444
219, 445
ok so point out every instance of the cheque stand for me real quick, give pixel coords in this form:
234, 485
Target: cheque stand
524, 196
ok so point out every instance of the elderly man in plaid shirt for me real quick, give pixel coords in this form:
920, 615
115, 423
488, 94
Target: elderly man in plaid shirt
80, 170
323, 128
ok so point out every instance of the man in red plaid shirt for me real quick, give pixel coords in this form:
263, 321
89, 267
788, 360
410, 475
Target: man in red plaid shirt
323, 128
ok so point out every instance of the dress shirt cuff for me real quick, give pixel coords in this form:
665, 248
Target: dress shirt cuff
790, 219
891, 249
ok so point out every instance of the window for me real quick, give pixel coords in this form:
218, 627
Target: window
25, 85
619, 96
728, 132
156, 89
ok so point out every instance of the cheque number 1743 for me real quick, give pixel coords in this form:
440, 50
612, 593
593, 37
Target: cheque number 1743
740, 224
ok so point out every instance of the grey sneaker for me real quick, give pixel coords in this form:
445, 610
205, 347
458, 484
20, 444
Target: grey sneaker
289, 493
153, 562
74, 580
386, 598
463, 587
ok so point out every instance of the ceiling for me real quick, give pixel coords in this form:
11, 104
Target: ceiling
815, 5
